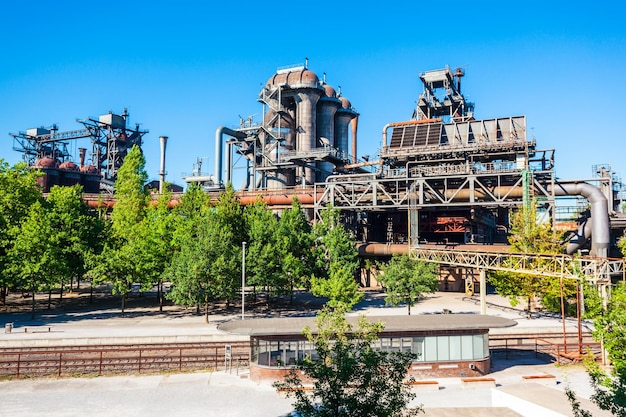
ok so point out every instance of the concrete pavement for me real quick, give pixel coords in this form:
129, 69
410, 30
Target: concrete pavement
223, 394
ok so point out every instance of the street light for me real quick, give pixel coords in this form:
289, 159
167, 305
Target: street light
243, 278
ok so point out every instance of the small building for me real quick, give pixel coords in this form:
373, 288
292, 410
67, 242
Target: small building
446, 345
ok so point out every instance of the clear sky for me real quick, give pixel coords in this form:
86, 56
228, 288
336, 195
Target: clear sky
184, 68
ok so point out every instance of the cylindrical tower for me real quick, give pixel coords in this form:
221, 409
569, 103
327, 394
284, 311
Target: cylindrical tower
307, 92
342, 121
327, 108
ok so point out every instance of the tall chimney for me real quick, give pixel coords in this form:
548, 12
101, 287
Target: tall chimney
163, 140
81, 156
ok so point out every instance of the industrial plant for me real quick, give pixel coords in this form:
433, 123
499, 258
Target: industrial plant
442, 178
48, 149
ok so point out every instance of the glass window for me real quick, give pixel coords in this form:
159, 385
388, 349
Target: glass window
307, 348
430, 348
264, 357
467, 348
396, 344
406, 344
275, 354
291, 349
479, 347
418, 348
385, 344
486, 345
455, 347
443, 348
255, 351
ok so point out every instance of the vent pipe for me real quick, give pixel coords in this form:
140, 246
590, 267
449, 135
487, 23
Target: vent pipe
163, 140
219, 146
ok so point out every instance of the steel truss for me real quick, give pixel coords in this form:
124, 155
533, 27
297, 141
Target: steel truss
598, 271
496, 187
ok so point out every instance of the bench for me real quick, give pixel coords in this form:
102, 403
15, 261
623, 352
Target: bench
477, 382
543, 379
37, 329
424, 385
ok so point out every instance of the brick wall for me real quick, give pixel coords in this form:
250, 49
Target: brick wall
420, 370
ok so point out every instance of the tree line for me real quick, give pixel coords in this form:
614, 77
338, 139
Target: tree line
196, 246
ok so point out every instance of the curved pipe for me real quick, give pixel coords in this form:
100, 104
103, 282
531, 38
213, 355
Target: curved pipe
600, 230
219, 145
582, 234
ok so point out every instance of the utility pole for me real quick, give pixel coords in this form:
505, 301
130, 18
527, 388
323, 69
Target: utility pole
243, 278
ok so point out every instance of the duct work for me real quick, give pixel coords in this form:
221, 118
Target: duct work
599, 229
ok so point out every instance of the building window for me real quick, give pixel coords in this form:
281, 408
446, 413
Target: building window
426, 348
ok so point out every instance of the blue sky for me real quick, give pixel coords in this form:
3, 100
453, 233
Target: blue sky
185, 68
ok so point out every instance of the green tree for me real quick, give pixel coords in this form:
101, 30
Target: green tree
263, 260
76, 231
406, 280
293, 239
18, 192
530, 236
609, 385
34, 258
349, 376
202, 270
156, 247
52, 243
206, 263
230, 225
336, 261
188, 261
121, 261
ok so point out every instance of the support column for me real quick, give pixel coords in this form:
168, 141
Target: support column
483, 291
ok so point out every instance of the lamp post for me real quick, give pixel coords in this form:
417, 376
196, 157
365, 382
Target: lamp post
243, 278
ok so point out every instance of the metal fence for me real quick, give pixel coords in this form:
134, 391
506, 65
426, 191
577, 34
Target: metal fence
109, 360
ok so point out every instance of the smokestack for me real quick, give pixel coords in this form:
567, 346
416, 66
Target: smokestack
354, 123
81, 156
163, 140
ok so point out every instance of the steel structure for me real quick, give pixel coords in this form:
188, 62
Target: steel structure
111, 139
442, 176
304, 136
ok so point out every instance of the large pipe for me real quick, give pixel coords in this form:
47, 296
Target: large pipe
219, 144
600, 230
279, 200
163, 141
382, 249
354, 124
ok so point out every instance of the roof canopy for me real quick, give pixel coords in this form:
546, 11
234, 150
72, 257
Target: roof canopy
287, 326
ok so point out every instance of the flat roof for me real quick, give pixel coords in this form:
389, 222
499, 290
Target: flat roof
285, 326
